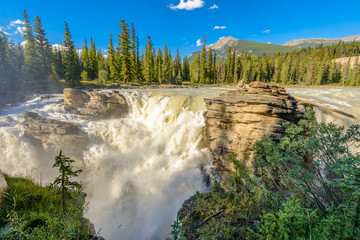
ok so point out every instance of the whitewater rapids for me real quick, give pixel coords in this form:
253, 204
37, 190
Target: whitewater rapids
141, 168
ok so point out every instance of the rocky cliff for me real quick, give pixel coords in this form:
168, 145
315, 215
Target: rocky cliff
52, 135
96, 104
236, 119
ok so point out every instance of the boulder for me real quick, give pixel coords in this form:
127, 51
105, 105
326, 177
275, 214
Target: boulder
52, 135
96, 104
237, 119
3, 187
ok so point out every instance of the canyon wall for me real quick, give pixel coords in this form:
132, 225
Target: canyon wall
237, 119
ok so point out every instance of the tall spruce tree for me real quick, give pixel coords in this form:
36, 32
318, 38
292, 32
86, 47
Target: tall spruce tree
44, 48
203, 65
71, 59
133, 55
159, 66
32, 63
167, 70
177, 67
209, 66
125, 56
112, 73
85, 57
149, 62
93, 61
185, 70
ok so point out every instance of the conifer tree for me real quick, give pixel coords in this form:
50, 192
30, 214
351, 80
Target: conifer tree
185, 70
63, 181
85, 57
111, 61
71, 59
167, 72
203, 65
93, 61
195, 69
177, 67
125, 57
133, 55
43, 48
209, 67
32, 63
159, 66
229, 67
149, 62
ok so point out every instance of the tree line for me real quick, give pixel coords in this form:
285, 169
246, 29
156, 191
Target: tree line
38, 63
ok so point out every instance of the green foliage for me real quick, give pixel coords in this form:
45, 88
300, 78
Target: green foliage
30, 211
177, 230
304, 186
103, 76
63, 181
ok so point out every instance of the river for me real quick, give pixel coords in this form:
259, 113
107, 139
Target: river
141, 168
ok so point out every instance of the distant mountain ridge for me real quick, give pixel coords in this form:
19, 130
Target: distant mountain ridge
221, 47
313, 42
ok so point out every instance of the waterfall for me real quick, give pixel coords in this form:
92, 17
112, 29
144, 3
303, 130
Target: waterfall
139, 169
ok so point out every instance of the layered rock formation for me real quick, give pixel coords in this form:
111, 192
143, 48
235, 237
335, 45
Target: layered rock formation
3, 187
53, 135
236, 119
96, 104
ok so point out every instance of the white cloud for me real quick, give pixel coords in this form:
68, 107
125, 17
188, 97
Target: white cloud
266, 31
214, 6
198, 43
14, 23
19, 30
219, 27
188, 5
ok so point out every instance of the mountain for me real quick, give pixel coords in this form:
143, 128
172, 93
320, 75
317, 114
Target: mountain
221, 47
313, 42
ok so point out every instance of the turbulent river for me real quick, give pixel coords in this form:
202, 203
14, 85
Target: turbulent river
141, 168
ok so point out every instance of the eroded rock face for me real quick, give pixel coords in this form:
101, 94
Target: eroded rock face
53, 135
96, 104
236, 119
3, 187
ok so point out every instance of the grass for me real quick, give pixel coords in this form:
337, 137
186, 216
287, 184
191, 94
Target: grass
31, 211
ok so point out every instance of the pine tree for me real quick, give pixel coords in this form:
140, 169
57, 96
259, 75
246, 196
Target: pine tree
203, 65
177, 67
167, 72
185, 71
32, 63
111, 61
209, 67
149, 62
85, 58
195, 69
63, 181
93, 61
229, 67
125, 57
159, 66
44, 48
133, 55
71, 59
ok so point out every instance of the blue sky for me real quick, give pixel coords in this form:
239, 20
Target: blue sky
180, 23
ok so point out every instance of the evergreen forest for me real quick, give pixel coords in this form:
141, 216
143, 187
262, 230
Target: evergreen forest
36, 63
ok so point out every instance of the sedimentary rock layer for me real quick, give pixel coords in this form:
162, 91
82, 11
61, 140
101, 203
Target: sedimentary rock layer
96, 104
53, 135
236, 119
